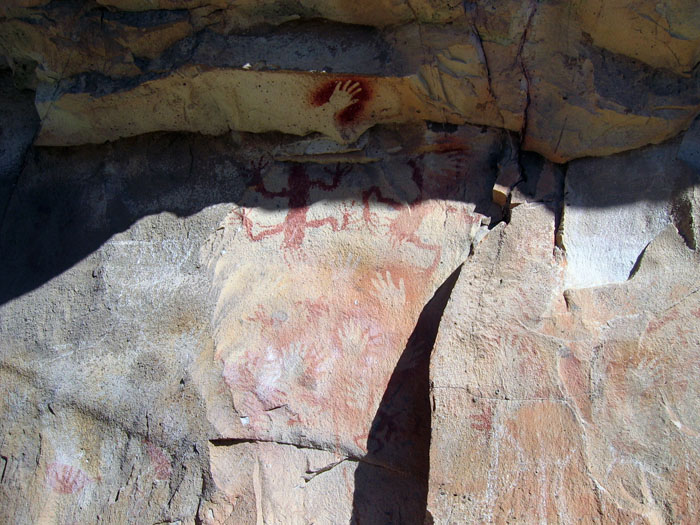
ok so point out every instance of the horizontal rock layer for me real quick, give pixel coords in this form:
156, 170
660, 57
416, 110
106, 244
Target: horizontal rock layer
105, 70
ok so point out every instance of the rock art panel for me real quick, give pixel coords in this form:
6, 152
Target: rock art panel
341, 300
641, 414
212, 68
218, 305
79, 467
310, 327
103, 321
215, 101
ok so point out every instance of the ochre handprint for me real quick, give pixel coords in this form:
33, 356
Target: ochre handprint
342, 100
66, 479
353, 337
343, 95
391, 294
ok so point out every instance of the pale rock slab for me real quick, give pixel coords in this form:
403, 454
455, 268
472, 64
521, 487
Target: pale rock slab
281, 483
211, 67
279, 350
494, 380
602, 425
661, 35
607, 223
577, 105
104, 320
640, 413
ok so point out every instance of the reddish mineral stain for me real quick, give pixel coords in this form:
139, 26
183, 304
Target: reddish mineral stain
323, 94
449, 145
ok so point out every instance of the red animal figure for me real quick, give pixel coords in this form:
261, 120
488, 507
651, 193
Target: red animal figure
295, 224
404, 228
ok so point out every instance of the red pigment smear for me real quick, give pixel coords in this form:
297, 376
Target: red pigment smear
323, 94
449, 145
159, 461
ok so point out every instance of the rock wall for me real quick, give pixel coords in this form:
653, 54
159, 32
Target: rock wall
347, 262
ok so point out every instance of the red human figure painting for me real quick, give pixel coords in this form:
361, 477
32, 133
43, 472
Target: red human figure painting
404, 227
293, 227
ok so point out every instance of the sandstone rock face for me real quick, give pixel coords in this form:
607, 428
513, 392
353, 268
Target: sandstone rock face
331, 262
555, 404
247, 66
310, 340
101, 415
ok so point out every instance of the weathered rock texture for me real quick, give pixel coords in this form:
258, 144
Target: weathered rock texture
347, 262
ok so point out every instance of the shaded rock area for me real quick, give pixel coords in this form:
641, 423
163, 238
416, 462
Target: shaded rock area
302, 262
616, 205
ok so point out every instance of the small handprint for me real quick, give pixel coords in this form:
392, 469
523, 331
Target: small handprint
454, 164
344, 95
354, 338
390, 294
66, 479
345, 265
648, 373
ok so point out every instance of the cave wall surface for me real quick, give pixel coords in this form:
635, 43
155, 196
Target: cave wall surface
291, 262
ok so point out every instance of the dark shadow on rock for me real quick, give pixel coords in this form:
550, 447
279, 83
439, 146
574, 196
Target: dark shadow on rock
391, 481
59, 205
67, 202
18, 125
